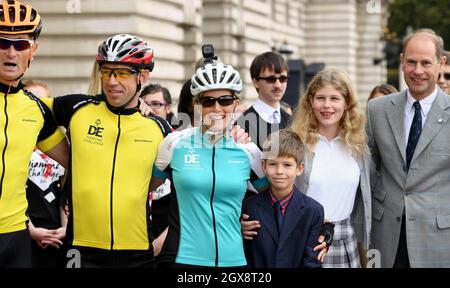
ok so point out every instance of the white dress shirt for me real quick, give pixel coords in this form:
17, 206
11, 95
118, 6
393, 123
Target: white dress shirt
334, 178
267, 112
425, 106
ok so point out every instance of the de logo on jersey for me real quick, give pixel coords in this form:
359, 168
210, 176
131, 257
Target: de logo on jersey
191, 158
96, 130
95, 133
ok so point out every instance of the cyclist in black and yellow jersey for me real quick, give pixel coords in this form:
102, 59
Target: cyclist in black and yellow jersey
24, 121
113, 148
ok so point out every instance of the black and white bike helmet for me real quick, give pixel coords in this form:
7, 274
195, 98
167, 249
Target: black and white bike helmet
213, 76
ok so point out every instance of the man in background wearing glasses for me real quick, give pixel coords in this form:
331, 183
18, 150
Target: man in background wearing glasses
25, 121
159, 99
269, 72
444, 76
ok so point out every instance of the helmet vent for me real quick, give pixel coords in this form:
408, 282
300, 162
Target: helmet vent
125, 42
33, 15
12, 14
207, 78
23, 13
222, 76
133, 50
214, 74
199, 81
122, 53
104, 52
114, 45
135, 43
24, 28
139, 55
231, 77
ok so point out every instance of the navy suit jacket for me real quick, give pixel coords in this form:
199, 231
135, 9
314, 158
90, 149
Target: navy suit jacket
300, 233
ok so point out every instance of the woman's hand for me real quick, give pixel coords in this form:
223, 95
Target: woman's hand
239, 135
248, 228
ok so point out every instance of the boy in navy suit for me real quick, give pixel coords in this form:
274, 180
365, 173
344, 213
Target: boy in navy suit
290, 220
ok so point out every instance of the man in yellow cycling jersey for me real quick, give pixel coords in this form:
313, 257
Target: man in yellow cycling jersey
25, 121
113, 148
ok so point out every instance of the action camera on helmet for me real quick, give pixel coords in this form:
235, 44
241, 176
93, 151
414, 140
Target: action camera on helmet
208, 53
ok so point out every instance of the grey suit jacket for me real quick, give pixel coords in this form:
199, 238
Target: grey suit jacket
362, 210
424, 191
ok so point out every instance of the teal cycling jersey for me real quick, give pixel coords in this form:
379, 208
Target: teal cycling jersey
209, 184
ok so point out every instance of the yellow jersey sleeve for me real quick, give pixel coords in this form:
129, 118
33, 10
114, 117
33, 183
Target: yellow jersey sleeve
50, 134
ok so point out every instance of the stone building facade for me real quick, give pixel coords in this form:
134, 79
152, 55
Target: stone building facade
341, 33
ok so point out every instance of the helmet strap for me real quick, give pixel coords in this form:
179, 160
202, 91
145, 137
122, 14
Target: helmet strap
233, 119
139, 85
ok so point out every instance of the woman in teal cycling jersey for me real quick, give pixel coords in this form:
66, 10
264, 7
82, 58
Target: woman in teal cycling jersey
210, 175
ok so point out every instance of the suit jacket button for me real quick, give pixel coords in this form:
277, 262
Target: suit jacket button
399, 219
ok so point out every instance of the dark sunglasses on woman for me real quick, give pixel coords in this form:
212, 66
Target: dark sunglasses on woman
225, 100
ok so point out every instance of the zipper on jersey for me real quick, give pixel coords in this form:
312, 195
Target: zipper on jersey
212, 206
112, 184
6, 142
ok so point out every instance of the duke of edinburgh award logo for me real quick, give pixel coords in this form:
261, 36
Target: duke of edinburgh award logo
192, 160
96, 130
95, 133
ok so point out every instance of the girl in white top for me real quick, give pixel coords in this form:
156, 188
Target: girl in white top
337, 162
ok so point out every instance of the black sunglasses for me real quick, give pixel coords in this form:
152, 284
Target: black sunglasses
272, 79
225, 100
446, 75
19, 44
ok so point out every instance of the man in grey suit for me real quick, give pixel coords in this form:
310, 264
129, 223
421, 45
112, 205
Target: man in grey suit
409, 137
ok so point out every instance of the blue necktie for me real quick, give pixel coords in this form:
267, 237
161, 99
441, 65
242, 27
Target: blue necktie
414, 133
276, 117
279, 215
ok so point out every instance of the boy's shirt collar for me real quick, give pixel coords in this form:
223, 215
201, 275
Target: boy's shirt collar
283, 202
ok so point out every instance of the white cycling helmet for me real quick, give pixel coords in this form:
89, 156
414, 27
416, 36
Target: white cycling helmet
215, 76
